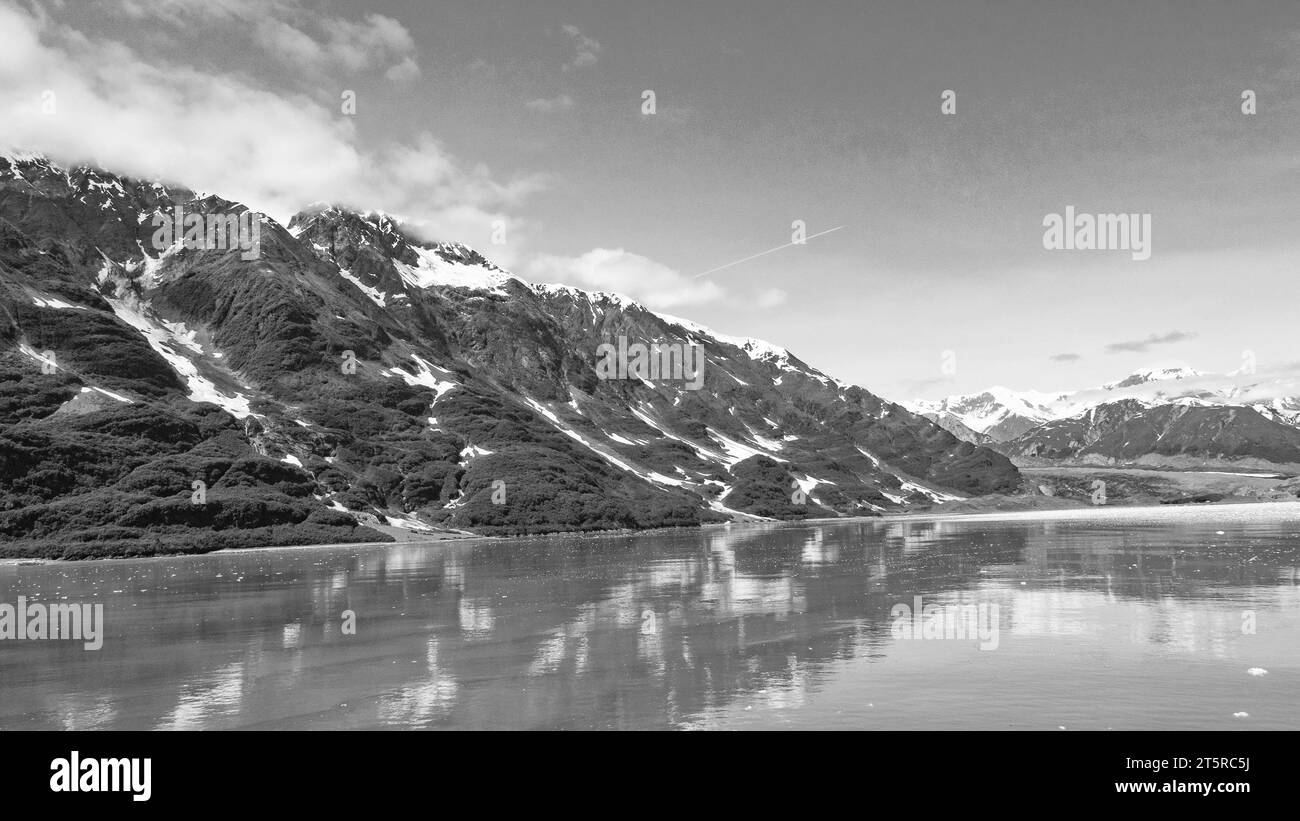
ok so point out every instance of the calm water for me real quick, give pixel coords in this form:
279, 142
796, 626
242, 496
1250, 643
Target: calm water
1106, 619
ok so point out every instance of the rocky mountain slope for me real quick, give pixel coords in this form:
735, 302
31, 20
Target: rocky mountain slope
1181, 434
351, 377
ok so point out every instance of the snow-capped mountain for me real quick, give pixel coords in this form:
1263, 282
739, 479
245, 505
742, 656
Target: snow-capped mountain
1184, 433
353, 377
1283, 409
1146, 376
995, 415
1000, 414
1170, 416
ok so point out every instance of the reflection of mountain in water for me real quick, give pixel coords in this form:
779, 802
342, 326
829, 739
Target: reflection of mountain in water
661, 629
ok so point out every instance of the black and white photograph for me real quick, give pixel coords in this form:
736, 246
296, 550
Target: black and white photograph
650, 365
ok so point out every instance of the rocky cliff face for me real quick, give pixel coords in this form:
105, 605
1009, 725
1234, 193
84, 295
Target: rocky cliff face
350, 374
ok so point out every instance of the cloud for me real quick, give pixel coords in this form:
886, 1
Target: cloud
587, 48
771, 298
603, 269
271, 143
274, 151
1143, 345
1065, 357
404, 71
561, 103
292, 32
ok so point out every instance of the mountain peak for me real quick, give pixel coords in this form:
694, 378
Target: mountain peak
355, 374
1154, 374
361, 239
16, 156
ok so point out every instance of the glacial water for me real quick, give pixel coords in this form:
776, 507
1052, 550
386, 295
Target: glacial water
1157, 618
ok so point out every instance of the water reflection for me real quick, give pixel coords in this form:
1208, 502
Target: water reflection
781, 625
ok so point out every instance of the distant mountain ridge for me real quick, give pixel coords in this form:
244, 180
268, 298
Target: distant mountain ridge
352, 377
1167, 417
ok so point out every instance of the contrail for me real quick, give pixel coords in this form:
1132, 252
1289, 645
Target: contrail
765, 253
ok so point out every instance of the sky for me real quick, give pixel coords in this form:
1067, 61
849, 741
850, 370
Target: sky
520, 128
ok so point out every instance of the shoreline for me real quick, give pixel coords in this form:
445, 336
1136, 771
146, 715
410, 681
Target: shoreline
1071, 512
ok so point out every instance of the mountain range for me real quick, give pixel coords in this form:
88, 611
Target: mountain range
351, 381
1174, 417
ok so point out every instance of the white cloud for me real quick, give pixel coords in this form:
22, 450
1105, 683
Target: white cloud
293, 32
406, 70
276, 152
561, 103
771, 297
588, 49
359, 45
604, 269
288, 43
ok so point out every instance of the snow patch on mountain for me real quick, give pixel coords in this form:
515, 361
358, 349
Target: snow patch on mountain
936, 496
702, 452
874, 461
472, 452
766, 443
716, 504
650, 476
376, 296
53, 302
808, 483
170, 340
432, 269
738, 451
425, 377
757, 349
593, 297
1143, 376
110, 394
408, 521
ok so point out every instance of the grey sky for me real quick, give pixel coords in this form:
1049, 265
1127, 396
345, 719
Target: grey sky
826, 112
